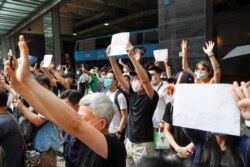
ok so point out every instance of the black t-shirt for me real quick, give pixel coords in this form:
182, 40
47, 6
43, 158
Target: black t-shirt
179, 136
141, 110
116, 155
11, 141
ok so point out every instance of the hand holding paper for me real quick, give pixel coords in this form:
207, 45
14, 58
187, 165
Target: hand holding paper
161, 54
118, 43
47, 60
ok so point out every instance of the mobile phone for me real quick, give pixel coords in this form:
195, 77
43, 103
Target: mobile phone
11, 60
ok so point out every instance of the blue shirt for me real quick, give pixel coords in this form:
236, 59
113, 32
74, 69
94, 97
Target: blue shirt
47, 137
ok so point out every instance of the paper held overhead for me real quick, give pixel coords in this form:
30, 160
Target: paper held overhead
161, 54
208, 107
47, 60
118, 43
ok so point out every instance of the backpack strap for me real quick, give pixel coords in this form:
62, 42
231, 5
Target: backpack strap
116, 98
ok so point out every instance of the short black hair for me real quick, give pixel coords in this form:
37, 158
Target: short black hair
155, 68
74, 96
3, 97
70, 75
186, 77
42, 80
133, 74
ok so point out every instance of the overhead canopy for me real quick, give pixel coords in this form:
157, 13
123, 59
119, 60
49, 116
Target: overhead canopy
16, 15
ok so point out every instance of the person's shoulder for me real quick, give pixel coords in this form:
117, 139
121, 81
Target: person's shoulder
116, 151
115, 144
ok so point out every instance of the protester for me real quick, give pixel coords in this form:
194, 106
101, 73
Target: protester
118, 123
96, 111
10, 136
203, 71
159, 87
143, 101
180, 144
102, 75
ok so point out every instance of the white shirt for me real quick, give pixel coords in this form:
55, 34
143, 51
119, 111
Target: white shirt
161, 105
113, 127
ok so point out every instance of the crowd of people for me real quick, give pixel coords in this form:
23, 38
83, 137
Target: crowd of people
107, 116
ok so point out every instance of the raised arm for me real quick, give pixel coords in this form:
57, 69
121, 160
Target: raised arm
185, 66
34, 118
141, 72
49, 75
168, 69
216, 67
58, 77
46, 103
117, 71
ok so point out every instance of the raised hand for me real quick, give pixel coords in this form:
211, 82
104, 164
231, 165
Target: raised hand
33, 69
138, 54
184, 45
242, 97
22, 74
209, 49
130, 50
108, 51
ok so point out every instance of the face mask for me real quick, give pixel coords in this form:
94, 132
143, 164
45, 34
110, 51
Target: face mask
201, 75
153, 80
78, 73
136, 86
108, 83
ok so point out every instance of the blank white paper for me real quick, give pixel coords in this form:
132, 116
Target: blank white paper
118, 43
209, 107
47, 60
161, 54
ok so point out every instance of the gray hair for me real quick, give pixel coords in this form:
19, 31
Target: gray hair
100, 104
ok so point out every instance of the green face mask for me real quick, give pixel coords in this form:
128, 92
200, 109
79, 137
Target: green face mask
108, 83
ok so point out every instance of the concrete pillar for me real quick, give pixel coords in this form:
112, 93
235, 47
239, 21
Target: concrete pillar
5, 46
56, 35
52, 35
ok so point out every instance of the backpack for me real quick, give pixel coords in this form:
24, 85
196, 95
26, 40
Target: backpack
126, 96
28, 129
2, 158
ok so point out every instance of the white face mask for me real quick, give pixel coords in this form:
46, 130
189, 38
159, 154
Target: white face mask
153, 80
78, 73
136, 86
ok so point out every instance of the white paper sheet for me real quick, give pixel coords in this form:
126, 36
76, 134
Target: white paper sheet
209, 107
161, 54
47, 60
118, 43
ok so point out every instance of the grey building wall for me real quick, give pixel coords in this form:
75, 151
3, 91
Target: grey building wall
185, 19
